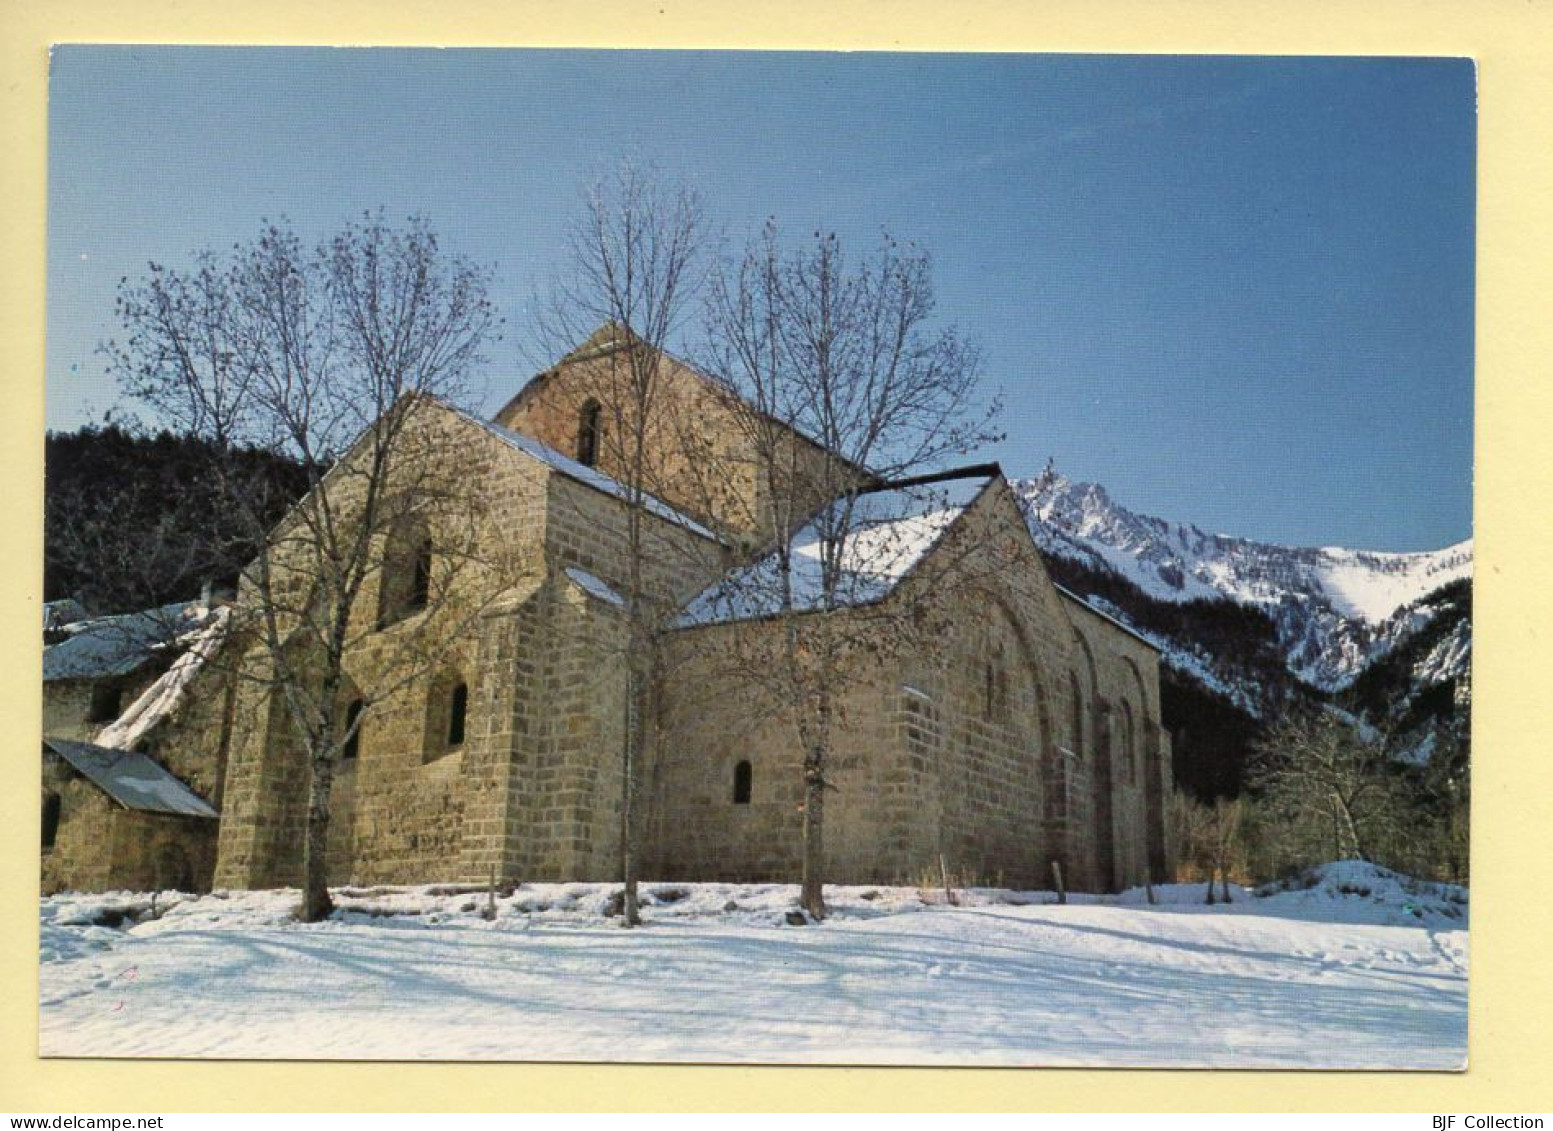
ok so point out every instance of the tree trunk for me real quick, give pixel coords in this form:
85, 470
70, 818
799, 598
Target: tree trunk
812, 896
642, 375
316, 904
631, 915
1353, 830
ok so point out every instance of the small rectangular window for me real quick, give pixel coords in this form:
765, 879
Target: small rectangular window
456, 711
107, 698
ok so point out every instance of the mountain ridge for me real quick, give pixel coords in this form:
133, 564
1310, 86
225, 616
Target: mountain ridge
1336, 610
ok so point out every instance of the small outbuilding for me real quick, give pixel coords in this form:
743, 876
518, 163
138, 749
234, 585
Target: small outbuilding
118, 819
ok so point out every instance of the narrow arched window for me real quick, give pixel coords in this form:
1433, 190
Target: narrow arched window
588, 434
447, 714
1078, 714
50, 820
420, 581
743, 779
1129, 744
352, 748
405, 583
458, 705
995, 707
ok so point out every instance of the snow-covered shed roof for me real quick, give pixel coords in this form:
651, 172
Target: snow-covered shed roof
594, 586
132, 779
118, 645
166, 694
588, 476
892, 528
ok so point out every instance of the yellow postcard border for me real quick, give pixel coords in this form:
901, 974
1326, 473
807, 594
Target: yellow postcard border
1513, 774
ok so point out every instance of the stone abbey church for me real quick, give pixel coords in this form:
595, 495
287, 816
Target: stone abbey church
1022, 730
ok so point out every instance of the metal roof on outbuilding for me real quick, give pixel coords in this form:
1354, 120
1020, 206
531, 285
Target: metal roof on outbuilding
118, 645
132, 779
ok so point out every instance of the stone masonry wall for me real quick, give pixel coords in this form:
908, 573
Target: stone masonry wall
101, 846
1008, 763
534, 788
156, 851
565, 783
700, 453
566, 802
397, 809
874, 832
1121, 673
988, 741
67, 703
79, 859
192, 745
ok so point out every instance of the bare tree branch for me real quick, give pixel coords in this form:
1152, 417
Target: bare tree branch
337, 357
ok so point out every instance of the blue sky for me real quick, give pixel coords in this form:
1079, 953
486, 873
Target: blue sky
1238, 292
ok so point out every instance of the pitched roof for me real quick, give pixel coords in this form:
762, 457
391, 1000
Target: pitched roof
594, 586
581, 473
118, 645
612, 337
132, 779
891, 529
1088, 605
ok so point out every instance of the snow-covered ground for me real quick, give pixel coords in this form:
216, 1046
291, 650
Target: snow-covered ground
1360, 969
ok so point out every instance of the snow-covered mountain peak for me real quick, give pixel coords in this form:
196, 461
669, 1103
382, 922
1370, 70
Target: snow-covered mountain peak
1337, 609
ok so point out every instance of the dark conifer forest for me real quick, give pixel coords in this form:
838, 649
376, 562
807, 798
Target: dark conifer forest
134, 520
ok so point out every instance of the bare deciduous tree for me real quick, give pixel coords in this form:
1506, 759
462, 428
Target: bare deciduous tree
846, 352
1330, 791
1211, 839
342, 358
635, 263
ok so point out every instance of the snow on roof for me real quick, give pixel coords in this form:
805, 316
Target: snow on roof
593, 586
162, 699
118, 645
584, 474
132, 779
1089, 606
891, 530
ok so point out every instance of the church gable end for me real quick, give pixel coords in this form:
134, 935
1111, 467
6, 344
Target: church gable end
699, 457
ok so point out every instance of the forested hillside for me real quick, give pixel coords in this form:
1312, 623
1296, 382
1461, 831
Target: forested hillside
135, 521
